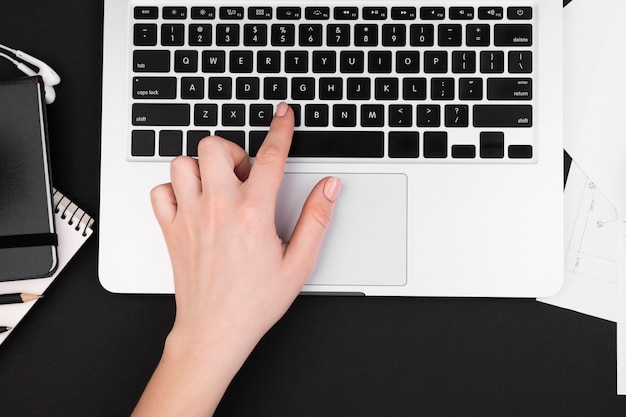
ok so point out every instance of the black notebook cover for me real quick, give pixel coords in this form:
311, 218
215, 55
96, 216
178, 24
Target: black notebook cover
27, 234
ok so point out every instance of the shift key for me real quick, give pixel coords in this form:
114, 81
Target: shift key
161, 114
503, 116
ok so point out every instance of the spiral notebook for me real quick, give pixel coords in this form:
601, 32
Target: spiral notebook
73, 226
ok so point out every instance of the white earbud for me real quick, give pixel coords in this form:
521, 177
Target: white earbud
48, 75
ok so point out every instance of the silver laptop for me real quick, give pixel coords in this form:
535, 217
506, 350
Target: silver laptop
443, 119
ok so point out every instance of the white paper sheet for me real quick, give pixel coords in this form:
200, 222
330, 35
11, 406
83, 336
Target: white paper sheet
621, 320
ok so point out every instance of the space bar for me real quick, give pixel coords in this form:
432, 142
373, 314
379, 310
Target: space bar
329, 144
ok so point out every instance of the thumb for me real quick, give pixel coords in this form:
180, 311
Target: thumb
311, 228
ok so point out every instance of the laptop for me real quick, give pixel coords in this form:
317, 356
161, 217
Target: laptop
442, 118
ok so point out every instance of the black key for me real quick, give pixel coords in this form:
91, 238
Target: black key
154, 87
233, 115
192, 88
261, 114
513, 35
401, 115
386, 88
214, 61
456, 116
442, 89
310, 35
173, 35
186, 61
200, 35
145, 34
428, 115
241, 61
288, 13
503, 116
374, 13
231, 13
407, 62
346, 13
477, 35
236, 136
422, 35
449, 35
492, 62
435, 62
372, 115
414, 89
403, 13
275, 88
220, 88
259, 13
379, 62
490, 13
247, 88
142, 143
366, 35
160, 114
471, 88
203, 13
205, 115
296, 113
461, 13
255, 34
170, 143
227, 35
435, 145
509, 89
317, 13
296, 61
520, 151
463, 151
283, 35
303, 88
338, 35
151, 61
176, 13
146, 12
268, 61
520, 62
324, 61
358, 88
331, 144
193, 139
491, 145
316, 115
331, 88
403, 144
351, 62
394, 35
432, 13
344, 115
519, 13
463, 62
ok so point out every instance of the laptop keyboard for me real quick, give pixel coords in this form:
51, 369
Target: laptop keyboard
390, 83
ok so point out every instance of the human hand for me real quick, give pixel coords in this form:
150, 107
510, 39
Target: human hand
233, 276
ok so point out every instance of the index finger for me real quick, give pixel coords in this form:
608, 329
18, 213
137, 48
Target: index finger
269, 163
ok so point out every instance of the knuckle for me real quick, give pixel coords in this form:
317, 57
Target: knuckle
321, 215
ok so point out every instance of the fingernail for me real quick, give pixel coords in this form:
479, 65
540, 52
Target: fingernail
331, 188
282, 108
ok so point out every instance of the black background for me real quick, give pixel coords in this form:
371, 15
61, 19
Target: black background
84, 352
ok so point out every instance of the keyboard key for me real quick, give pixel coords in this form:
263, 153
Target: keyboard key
477, 35
461, 13
449, 35
283, 35
203, 13
520, 62
379, 62
173, 35
268, 61
256, 13
432, 13
386, 88
407, 62
344, 115
214, 61
366, 35
358, 89
490, 13
520, 151
275, 88
145, 34
513, 35
227, 35
492, 145
331, 88
435, 145
346, 13
233, 115
316, 115
200, 35
442, 89
241, 61
403, 13
247, 88
179, 13
324, 62
435, 62
463, 62
456, 115
351, 62
303, 88
428, 115
205, 115
236, 136
503, 116
142, 143
192, 88
331, 144
470, 88
261, 114
288, 13
296, 61
414, 89
374, 13
151, 61
338, 35
463, 151
255, 35
193, 139
400, 115
317, 13
403, 144
394, 35
186, 61
160, 114
492, 62
170, 143
310, 35
509, 89
231, 13
519, 13
146, 13
372, 115
422, 35
220, 88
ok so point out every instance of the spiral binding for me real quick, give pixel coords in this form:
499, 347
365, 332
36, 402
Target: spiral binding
69, 210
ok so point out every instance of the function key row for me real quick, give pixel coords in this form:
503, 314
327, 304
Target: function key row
337, 13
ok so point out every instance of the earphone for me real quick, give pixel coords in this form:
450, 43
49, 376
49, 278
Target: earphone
48, 75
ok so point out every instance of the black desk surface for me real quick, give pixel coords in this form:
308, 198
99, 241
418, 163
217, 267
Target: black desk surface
84, 352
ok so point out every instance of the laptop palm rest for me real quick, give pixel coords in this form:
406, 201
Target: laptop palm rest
357, 250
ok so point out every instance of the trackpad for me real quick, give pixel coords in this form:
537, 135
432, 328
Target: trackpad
366, 243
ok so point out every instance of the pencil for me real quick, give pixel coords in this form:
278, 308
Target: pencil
17, 298
4, 329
